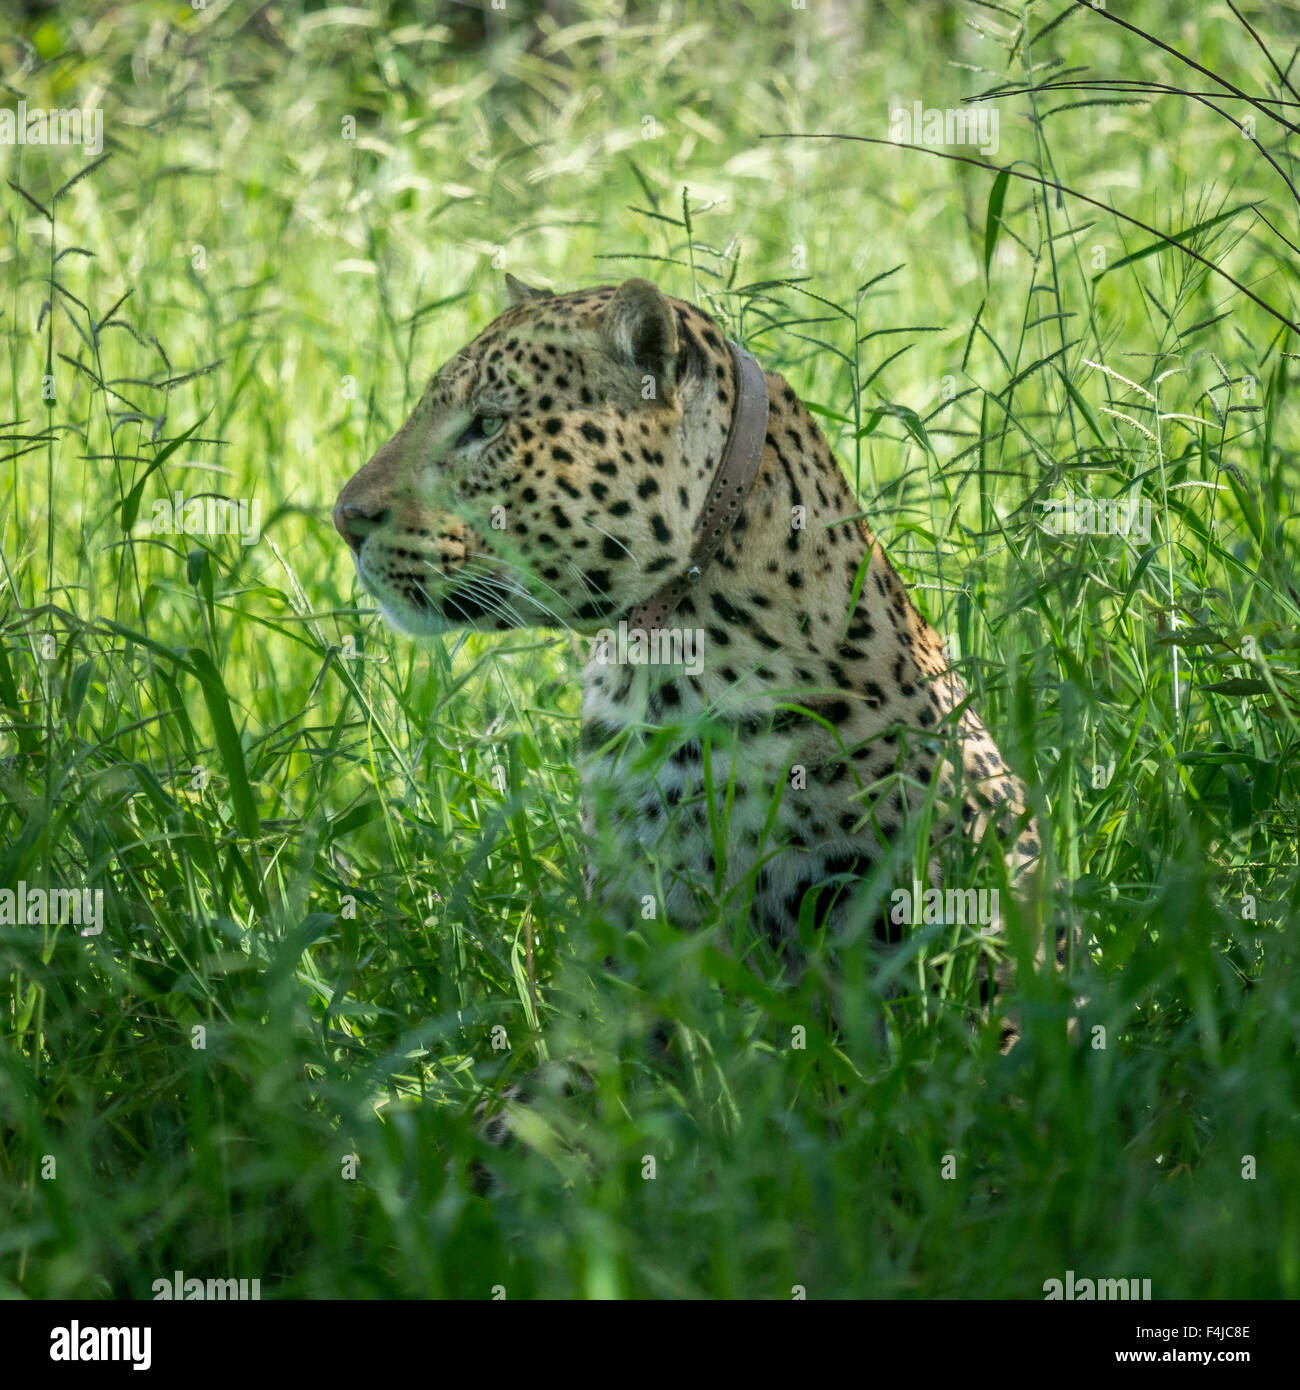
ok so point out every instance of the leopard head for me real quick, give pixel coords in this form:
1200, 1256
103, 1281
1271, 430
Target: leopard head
553, 470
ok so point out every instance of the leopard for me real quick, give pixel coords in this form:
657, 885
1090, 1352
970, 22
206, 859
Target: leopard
556, 472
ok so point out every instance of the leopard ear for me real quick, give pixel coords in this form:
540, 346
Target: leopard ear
641, 332
521, 293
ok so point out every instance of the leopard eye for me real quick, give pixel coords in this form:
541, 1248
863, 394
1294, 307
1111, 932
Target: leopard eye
479, 429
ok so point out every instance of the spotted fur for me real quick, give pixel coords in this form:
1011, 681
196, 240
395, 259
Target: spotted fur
824, 713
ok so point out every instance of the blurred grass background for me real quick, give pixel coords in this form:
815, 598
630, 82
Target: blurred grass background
355, 864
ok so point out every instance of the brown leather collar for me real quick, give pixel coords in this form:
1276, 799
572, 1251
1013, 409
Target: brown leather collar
737, 470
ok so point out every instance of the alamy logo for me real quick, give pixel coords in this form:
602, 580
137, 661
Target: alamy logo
30, 125
178, 515
950, 125
54, 907
1081, 515
917, 906
656, 646
1100, 1290
198, 1290
77, 1343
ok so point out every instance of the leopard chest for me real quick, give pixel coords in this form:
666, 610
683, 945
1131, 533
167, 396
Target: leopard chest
744, 810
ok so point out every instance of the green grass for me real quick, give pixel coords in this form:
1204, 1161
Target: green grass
229, 743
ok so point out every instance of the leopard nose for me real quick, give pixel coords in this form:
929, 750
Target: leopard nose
356, 523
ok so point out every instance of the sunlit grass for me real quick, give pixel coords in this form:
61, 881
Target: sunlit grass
357, 865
